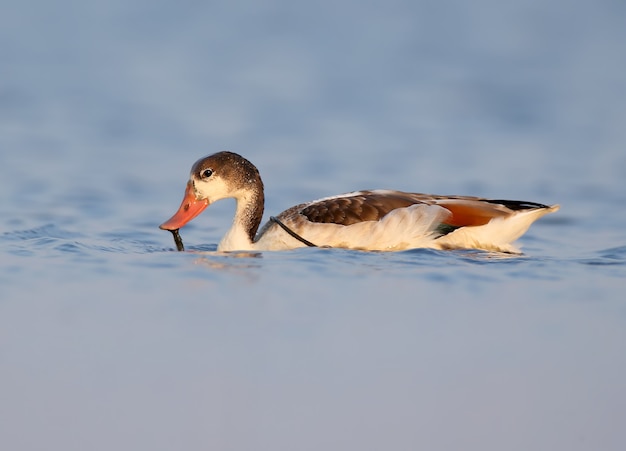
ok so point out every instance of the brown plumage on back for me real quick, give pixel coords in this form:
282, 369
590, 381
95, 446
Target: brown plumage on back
374, 205
362, 206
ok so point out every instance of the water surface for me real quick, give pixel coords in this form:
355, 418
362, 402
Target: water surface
109, 339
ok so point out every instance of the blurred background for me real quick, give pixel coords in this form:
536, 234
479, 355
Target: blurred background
110, 341
507, 95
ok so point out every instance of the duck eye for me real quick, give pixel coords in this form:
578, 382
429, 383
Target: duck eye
206, 173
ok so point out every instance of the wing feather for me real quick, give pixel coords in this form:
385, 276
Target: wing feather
357, 207
362, 206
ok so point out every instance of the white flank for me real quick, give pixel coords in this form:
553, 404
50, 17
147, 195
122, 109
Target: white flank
403, 228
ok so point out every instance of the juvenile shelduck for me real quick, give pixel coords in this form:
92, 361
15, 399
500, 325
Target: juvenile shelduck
377, 220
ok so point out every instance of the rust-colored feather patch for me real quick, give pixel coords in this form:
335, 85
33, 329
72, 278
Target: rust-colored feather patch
471, 213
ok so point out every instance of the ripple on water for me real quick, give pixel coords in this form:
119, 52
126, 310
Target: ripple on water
615, 253
50, 240
54, 241
615, 256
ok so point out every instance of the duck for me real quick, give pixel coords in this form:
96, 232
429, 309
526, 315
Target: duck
368, 220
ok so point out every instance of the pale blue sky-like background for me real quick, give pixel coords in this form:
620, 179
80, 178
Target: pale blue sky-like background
109, 340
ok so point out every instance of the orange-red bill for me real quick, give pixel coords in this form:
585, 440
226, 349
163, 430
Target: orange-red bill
189, 208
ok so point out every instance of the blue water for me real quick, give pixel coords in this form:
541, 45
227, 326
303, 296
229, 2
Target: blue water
109, 339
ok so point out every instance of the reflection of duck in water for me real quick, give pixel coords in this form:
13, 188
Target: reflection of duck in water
380, 220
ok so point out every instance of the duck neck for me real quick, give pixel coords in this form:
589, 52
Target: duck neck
248, 215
